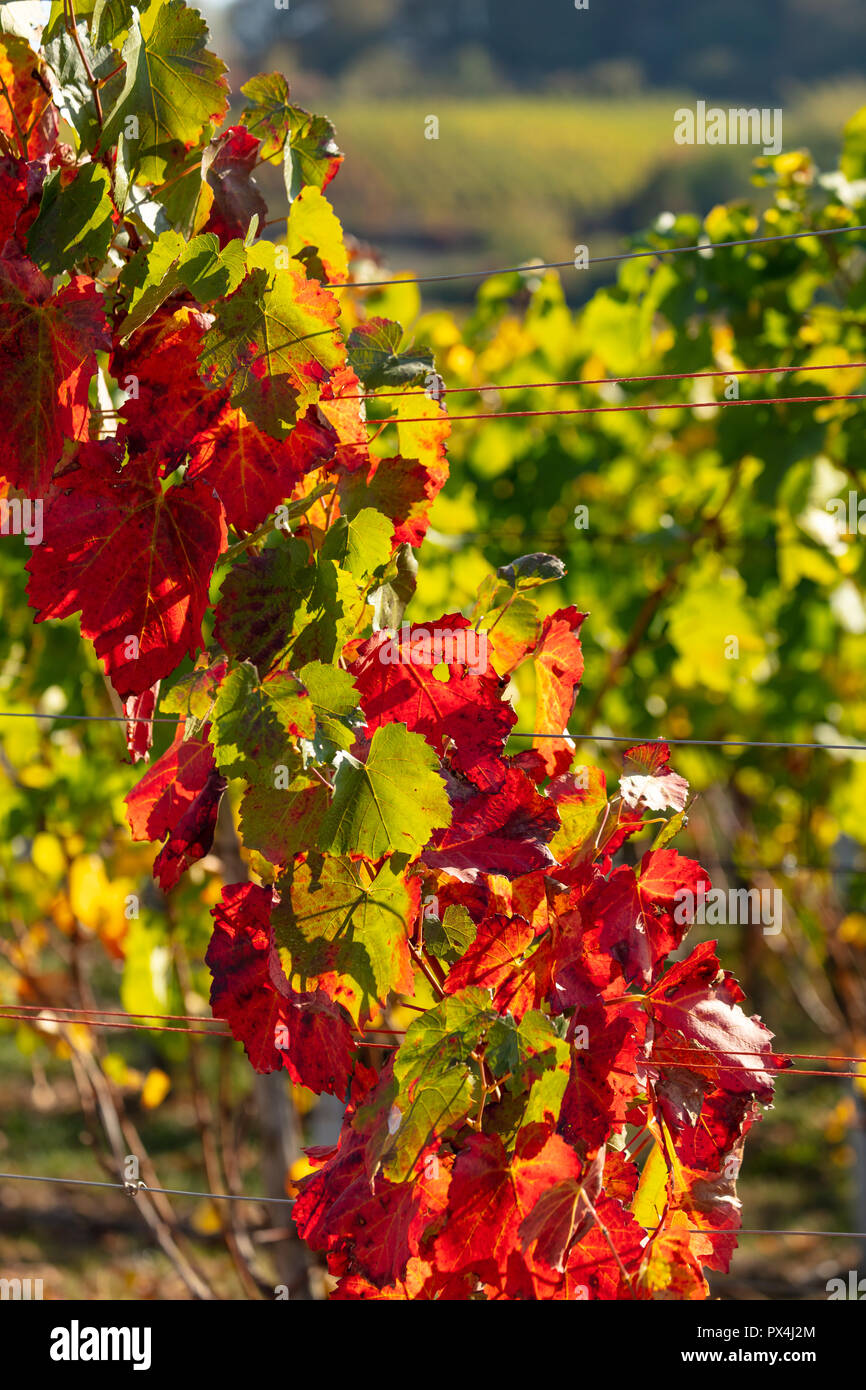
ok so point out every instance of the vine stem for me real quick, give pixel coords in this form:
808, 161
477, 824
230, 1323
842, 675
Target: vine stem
72, 30
425, 968
332, 502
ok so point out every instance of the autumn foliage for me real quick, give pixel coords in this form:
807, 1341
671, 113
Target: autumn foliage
555, 1108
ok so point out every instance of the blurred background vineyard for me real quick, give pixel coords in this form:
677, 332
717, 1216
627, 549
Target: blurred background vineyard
701, 524
555, 124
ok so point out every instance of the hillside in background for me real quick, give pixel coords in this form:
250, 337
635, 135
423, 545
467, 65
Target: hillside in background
555, 127
754, 53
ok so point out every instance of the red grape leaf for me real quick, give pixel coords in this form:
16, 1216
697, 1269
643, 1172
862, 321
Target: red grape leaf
580, 798
168, 404
401, 489
502, 832
26, 108
228, 163
615, 908
251, 472
594, 1268
170, 786
705, 1205
671, 1270
378, 1227
724, 1119
648, 781
404, 488
563, 1214
500, 959
636, 915
396, 681
664, 874
700, 1002
420, 1281
492, 1193
621, 1177
48, 347
13, 195
192, 837
139, 711
342, 407
680, 1093
558, 661
582, 969
134, 559
601, 1084
306, 1033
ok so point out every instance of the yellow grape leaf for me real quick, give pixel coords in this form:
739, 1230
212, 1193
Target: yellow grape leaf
313, 225
649, 1200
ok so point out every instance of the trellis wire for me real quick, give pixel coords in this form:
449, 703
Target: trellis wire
708, 246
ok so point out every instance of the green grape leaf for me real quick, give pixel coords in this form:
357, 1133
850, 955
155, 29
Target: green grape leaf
106, 18
362, 545
193, 695
391, 803
258, 602
75, 94
438, 1080
333, 611
335, 702
253, 721
268, 112
449, 938
74, 220
268, 342
173, 89
531, 570
171, 264
532, 1054
336, 916
375, 356
307, 143
669, 830
289, 699
311, 156
282, 821
109, 19
186, 197
315, 237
